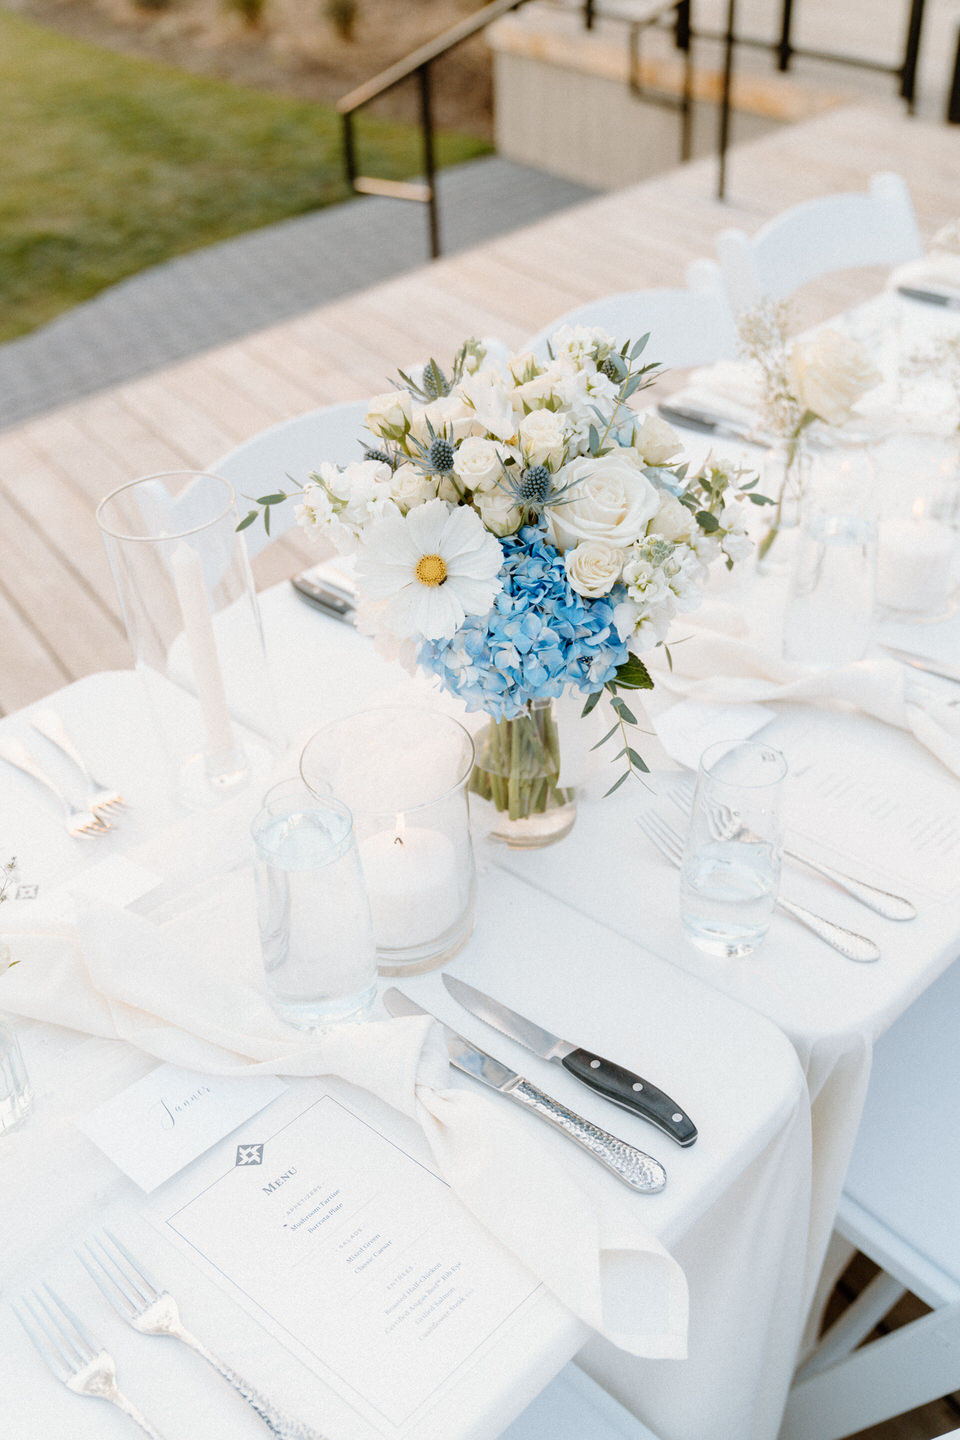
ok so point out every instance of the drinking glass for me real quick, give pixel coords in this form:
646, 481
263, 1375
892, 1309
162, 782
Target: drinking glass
186, 591
730, 874
16, 1097
403, 770
315, 929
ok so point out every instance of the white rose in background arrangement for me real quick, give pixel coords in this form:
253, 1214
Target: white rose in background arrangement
409, 487
593, 567
538, 393
479, 463
498, 512
449, 415
541, 437
390, 412
829, 374
656, 441
607, 499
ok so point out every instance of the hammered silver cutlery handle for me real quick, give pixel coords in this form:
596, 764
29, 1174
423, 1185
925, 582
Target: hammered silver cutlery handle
99, 1381
639, 1171
276, 1422
891, 907
848, 942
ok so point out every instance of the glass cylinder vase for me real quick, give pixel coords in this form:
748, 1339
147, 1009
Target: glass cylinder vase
403, 771
783, 476
191, 616
517, 771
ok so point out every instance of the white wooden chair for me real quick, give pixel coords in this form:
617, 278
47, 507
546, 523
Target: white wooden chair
282, 457
901, 1207
691, 326
574, 1407
835, 232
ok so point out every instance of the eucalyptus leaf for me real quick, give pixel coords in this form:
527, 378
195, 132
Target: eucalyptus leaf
248, 519
277, 499
618, 783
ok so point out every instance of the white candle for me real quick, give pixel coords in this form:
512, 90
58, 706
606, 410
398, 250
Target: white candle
914, 565
187, 571
411, 876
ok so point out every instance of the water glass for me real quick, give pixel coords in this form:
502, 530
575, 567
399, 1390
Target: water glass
16, 1097
315, 928
730, 874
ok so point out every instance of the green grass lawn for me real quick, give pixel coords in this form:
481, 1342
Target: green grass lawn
111, 164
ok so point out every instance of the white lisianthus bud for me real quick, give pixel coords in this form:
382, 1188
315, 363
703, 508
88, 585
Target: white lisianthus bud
656, 441
829, 374
593, 567
541, 437
389, 415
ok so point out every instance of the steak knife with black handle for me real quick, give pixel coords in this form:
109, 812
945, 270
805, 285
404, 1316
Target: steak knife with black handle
612, 1081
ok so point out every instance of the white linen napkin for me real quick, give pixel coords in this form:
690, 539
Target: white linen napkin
721, 659
189, 990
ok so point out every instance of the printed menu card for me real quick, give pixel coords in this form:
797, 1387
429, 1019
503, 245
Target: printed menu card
349, 1250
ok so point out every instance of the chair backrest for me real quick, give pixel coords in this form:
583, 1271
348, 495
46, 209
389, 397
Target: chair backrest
691, 326
283, 456
835, 232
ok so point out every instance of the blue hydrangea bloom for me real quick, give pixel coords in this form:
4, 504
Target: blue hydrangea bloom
539, 636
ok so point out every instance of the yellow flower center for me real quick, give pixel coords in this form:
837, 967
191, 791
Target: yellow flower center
431, 570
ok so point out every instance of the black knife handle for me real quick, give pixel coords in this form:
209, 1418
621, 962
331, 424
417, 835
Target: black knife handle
633, 1093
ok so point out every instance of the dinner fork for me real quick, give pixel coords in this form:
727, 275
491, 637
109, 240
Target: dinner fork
73, 1356
848, 942
79, 823
131, 1292
891, 907
48, 724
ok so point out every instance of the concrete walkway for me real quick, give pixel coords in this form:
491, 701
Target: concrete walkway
228, 290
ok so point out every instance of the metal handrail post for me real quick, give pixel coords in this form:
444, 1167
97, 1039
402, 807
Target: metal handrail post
784, 46
911, 55
724, 136
429, 162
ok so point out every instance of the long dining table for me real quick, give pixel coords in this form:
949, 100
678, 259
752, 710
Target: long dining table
771, 1057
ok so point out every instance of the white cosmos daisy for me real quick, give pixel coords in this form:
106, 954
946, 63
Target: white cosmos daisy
431, 569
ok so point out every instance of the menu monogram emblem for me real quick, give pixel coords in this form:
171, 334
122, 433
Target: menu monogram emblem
249, 1155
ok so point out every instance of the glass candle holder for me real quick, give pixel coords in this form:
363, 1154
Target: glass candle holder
918, 543
315, 928
403, 771
730, 874
190, 611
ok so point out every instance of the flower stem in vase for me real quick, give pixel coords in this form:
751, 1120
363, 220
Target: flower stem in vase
517, 770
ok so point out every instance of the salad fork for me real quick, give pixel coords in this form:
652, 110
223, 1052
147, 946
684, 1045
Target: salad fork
79, 823
848, 942
48, 724
73, 1356
131, 1292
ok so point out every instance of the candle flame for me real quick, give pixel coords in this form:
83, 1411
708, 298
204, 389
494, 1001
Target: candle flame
918, 508
401, 829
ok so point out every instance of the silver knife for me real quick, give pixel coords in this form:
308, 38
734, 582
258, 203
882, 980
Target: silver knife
709, 422
611, 1081
334, 600
930, 297
641, 1172
943, 668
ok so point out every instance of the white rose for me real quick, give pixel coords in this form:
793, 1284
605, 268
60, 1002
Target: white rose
593, 567
608, 499
409, 487
390, 412
498, 512
673, 521
829, 373
656, 441
541, 437
489, 400
539, 392
479, 463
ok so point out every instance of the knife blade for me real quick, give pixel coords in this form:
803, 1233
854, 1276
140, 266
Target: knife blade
930, 297
943, 668
610, 1080
693, 418
336, 601
635, 1168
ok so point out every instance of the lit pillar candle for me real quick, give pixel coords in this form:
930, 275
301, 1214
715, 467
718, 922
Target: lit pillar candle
187, 572
411, 876
915, 564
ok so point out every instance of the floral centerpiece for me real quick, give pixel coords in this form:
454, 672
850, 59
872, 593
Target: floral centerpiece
816, 379
520, 530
